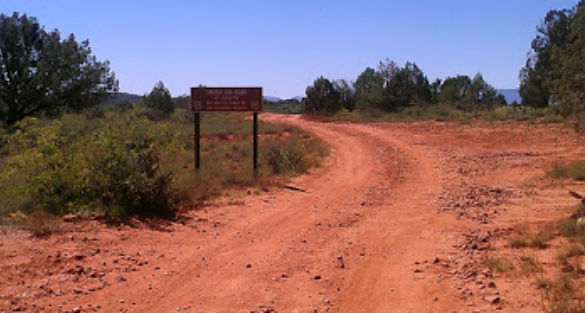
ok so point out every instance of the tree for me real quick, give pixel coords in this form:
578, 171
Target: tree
435, 88
346, 94
468, 94
369, 89
40, 73
321, 98
481, 95
159, 101
568, 88
554, 73
453, 90
538, 76
408, 86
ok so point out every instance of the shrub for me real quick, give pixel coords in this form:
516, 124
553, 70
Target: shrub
498, 114
76, 164
159, 102
283, 160
499, 264
574, 170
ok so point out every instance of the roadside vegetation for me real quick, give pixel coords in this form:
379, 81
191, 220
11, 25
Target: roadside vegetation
444, 113
288, 106
137, 161
552, 86
561, 281
67, 148
574, 170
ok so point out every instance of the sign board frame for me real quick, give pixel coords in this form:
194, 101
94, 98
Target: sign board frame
225, 99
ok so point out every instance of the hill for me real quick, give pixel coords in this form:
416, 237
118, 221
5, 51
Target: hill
511, 95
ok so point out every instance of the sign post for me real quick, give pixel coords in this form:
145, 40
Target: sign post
255, 114
226, 99
196, 133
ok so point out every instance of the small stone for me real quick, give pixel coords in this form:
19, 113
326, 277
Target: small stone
248, 265
493, 299
79, 257
317, 277
340, 262
76, 309
492, 285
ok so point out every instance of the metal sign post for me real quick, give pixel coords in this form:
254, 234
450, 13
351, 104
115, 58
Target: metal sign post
255, 114
196, 133
225, 99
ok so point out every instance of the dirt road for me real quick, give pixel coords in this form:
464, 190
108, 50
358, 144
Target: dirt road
378, 228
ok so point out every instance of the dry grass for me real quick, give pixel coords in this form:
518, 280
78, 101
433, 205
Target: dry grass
529, 266
38, 223
563, 294
538, 240
574, 170
499, 264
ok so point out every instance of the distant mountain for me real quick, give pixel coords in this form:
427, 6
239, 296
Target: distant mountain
511, 95
121, 97
270, 98
276, 99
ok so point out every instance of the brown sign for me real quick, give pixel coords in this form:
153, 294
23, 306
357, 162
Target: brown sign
209, 99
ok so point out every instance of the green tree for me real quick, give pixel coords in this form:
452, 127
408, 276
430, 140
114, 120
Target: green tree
568, 87
453, 90
40, 73
464, 93
435, 87
346, 94
407, 86
321, 98
159, 101
538, 75
369, 90
481, 95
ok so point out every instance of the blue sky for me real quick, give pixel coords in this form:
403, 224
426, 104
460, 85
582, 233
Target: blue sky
284, 45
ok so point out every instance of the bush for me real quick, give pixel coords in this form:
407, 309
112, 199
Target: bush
75, 164
282, 160
574, 170
498, 114
159, 102
499, 264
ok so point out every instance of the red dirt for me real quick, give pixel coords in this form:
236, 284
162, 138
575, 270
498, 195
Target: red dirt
395, 220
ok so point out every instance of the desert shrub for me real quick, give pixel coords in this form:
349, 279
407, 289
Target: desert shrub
40, 223
563, 296
282, 160
498, 114
574, 170
158, 102
75, 164
95, 112
499, 264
